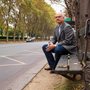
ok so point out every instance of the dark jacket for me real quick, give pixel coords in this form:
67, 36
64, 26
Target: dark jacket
66, 38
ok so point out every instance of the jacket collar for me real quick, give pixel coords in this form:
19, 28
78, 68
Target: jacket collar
61, 25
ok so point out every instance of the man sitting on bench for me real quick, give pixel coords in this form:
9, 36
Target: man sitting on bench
63, 42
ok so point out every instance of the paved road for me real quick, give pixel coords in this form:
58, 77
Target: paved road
19, 63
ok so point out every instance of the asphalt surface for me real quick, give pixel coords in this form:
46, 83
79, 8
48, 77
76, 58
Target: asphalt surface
19, 63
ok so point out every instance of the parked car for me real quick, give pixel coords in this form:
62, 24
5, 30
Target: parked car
30, 39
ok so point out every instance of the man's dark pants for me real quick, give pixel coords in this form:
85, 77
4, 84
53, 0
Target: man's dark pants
58, 50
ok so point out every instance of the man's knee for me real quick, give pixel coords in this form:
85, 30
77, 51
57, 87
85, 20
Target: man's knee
59, 49
44, 47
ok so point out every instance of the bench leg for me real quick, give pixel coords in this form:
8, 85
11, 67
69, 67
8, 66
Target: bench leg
73, 77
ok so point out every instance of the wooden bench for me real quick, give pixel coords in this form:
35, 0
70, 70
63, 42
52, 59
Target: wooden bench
69, 66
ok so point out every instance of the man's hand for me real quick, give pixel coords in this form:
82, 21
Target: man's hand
50, 46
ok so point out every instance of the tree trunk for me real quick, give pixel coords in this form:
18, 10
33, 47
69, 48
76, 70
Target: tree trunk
23, 36
19, 36
7, 39
14, 35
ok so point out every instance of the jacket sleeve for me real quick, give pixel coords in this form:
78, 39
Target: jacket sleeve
69, 36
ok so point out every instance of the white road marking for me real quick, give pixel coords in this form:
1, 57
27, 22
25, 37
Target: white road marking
33, 52
10, 65
13, 59
75, 63
20, 63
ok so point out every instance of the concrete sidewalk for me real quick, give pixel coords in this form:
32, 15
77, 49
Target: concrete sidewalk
44, 81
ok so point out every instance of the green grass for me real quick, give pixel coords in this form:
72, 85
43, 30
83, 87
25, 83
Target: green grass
70, 85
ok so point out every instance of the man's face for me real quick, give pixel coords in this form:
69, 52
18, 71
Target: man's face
59, 18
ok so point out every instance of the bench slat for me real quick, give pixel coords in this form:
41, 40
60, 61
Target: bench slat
74, 64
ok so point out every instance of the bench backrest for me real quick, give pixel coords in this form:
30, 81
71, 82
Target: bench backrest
87, 28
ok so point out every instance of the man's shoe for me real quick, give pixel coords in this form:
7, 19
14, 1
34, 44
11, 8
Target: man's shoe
52, 71
48, 68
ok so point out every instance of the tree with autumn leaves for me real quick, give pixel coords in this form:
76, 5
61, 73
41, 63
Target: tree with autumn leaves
20, 18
